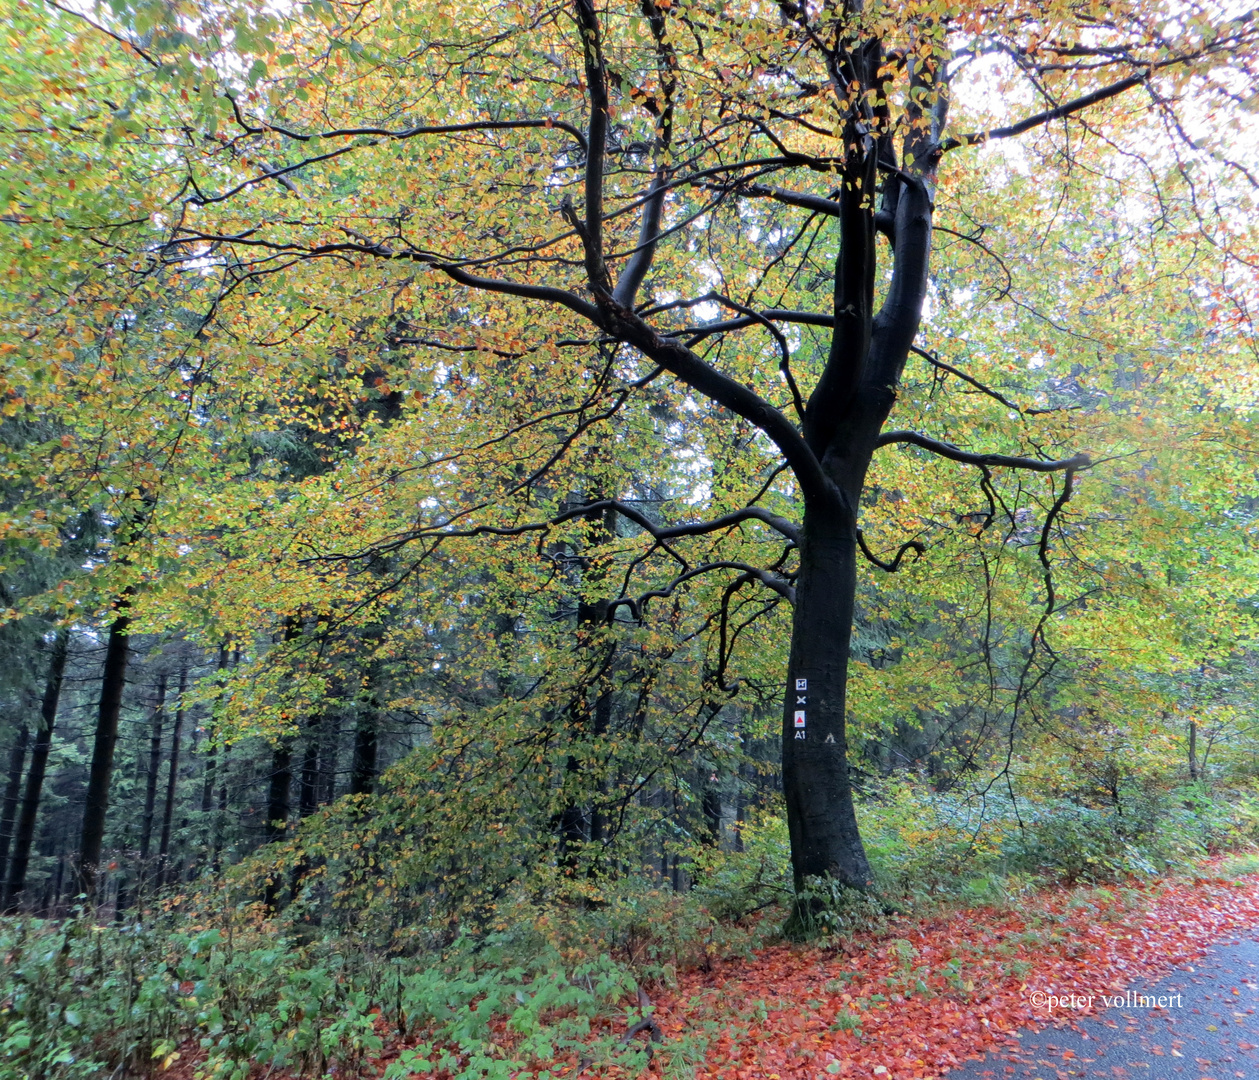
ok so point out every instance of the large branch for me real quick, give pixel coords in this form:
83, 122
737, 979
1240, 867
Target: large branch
653, 209
649, 233
896, 324
404, 133
1048, 116
834, 394
770, 581
804, 318
690, 528
549, 293
940, 365
954, 453
816, 203
597, 87
681, 361
916, 546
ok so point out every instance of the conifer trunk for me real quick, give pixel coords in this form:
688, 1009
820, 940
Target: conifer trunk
329, 753
308, 795
96, 803
24, 835
366, 747
278, 793
211, 754
155, 764
172, 783
279, 788
12, 788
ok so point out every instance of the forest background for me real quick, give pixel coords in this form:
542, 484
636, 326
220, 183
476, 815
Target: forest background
489, 494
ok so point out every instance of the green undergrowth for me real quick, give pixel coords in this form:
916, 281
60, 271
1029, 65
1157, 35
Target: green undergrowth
83, 1000
541, 982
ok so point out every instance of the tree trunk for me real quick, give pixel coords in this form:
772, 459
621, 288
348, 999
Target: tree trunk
279, 788
12, 788
1193, 750
172, 783
155, 766
308, 796
329, 753
24, 836
820, 814
366, 746
96, 803
211, 754
710, 804
278, 809
220, 819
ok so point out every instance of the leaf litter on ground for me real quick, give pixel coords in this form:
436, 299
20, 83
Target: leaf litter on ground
923, 996
911, 1001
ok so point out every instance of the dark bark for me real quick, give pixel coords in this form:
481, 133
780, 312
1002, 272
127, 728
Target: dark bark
308, 796
598, 817
581, 821
212, 750
96, 802
366, 747
820, 815
220, 820
572, 823
329, 752
711, 807
1193, 750
12, 788
52, 891
278, 793
172, 785
24, 834
279, 788
155, 766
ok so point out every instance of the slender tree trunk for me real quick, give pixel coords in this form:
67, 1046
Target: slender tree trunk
1193, 750
113, 682
329, 752
279, 788
12, 788
220, 821
172, 783
602, 722
211, 754
24, 835
278, 809
820, 814
308, 795
155, 766
52, 891
363, 765
711, 806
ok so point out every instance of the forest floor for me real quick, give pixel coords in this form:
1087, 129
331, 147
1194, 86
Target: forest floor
922, 998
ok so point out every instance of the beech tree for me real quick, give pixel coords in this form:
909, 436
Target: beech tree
593, 200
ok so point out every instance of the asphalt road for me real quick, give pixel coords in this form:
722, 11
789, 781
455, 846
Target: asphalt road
1207, 1029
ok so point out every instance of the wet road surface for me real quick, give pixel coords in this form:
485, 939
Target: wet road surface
1206, 1029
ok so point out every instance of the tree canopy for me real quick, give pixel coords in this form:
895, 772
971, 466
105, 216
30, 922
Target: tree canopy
614, 388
